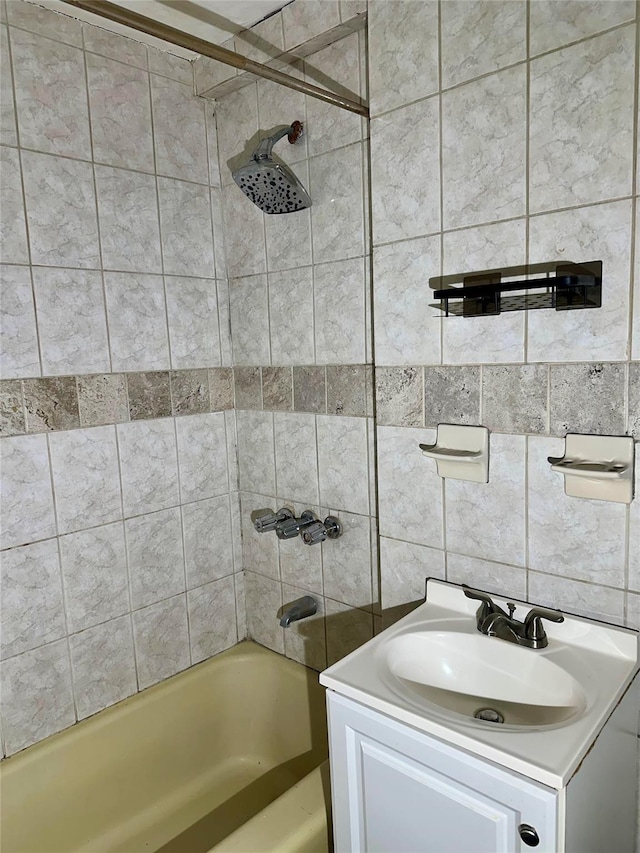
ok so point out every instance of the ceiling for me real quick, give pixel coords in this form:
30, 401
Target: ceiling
212, 20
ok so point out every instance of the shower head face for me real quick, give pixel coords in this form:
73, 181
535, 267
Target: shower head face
272, 187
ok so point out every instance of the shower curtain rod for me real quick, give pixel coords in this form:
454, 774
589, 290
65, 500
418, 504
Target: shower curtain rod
162, 31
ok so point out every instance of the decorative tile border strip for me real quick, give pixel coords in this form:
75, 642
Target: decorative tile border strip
69, 402
334, 389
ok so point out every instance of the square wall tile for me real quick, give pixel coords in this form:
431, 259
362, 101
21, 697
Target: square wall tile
571, 537
288, 238
300, 564
94, 568
308, 19
179, 131
310, 389
480, 37
12, 413
509, 581
61, 211
202, 456
192, 306
149, 395
45, 22
103, 666
343, 463
451, 395
587, 398
483, 149
259, 550
555, 24
405, 172
169, 65
403, 68
601, 232
137, 321
51, 95
514, 398
114, 46
291, 316
346, 563
31, 606
161, 639
86, 477
399, 396
582, 599
404, 567
212, 618
26, 507
304, 641
347, 629
102, 399
250, 320
208, 546
582, 122
634, 533
337, 216
264, 600
256, 452
51, 404
237, 124
37, 700
407, 328
72, 321
19, 355
487, 520
244, 234
148, 463
120, 113
13, 234
339, 311
296, 457
484, 339
409, 489
185, 221
128, 213
156, 558
8, 132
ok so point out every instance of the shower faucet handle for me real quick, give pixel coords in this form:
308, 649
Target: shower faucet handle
317, 532
265, 520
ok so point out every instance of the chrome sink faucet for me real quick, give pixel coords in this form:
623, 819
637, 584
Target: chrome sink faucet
494, 622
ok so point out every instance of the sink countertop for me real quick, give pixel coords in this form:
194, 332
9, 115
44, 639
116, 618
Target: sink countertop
602, 658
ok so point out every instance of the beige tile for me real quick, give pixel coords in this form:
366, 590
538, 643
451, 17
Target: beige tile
45, 22
19, 354
399, 396
51, 95
514, 398
221, 388
347, 389
189, 392
12, 413
309, 389
61, 191
582, 122
102, 399
277, 388
103, 666
114, 46
120, 112
451, 395
555, 24
483, 149
587, 398
161, 639
479, 37
403, 68
633, 426
248, 385
149, 395
168, 65
51, 404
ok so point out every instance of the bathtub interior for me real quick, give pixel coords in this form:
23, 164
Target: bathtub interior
177, 768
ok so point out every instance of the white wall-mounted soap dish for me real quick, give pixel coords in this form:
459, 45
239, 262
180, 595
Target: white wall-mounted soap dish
461, 452
597, 467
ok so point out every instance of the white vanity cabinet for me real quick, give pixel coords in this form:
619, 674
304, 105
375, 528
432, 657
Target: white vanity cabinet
396, 790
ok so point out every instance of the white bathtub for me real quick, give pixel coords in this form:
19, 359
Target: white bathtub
227, 756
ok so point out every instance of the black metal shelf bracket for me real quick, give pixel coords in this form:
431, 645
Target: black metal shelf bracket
574, 286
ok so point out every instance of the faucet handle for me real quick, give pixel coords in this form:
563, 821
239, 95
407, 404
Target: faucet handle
484, 597
265, 520
534, 629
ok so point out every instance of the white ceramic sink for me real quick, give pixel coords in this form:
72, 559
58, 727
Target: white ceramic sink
434, 670
471, 673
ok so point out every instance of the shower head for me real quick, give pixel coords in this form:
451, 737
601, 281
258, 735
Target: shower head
272, 186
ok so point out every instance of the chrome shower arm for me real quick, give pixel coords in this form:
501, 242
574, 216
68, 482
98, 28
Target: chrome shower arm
263, 151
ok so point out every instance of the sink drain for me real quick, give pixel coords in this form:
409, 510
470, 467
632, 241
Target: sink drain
489, 715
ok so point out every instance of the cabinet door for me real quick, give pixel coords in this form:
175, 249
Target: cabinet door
396, 790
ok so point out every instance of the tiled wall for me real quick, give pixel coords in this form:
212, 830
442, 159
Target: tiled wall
300, 311
503, 133
120, 514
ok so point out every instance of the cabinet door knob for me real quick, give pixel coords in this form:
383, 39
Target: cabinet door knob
529, 835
